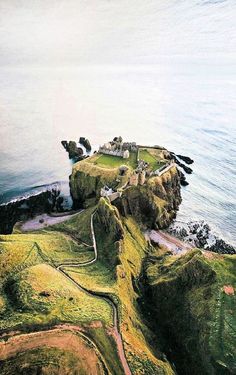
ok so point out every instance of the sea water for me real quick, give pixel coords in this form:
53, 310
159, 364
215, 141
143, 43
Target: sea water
180, 97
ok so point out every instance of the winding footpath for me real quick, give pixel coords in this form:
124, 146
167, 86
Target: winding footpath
106, 298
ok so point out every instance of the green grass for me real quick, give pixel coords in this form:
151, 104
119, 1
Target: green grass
153, 162
118, 283
96, 276
107, 347
32, 361
35, 294
26, 303
191, 289
116, 161
27, 268
78, 226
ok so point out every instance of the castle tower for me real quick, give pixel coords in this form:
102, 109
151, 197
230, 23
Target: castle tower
126, 154
142, 177
133, 180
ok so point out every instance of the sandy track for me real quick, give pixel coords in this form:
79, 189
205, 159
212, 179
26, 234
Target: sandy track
176, 246
48, 220
68, 338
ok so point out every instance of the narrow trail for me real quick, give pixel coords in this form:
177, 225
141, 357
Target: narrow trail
106, 298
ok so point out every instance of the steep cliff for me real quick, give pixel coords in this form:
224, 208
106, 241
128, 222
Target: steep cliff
87, 179
191, 300
122, 248
109, 226
155, 203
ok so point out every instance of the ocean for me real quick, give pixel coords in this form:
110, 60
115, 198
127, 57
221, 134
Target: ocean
182, 100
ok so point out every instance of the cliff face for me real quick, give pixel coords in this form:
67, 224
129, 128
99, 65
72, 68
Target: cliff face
109, 226
155, 203
122, 248
191, 301
26, 208
109, 218
87, 180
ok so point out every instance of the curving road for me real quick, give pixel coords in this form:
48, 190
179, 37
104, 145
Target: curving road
106, 298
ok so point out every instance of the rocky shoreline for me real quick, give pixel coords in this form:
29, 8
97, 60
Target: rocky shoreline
48, 200
75, 150
199, 234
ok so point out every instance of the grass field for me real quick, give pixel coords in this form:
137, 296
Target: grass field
153, 162
110, 161
32, 291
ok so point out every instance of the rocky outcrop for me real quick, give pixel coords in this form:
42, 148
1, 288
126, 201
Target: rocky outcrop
191, 302
186, 159
155, 204
86, 182
24, 208
85, 142
75, 152
109, 218
109, 231
199, 234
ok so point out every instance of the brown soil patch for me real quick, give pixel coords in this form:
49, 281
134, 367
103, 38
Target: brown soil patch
95, 324
228, 289
89, 360
211, 255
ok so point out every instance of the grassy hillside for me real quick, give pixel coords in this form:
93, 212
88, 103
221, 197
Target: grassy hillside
121, 284
67, 353
34, 294
179, 305
192, 301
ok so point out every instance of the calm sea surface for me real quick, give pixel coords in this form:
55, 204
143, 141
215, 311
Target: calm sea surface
185, 103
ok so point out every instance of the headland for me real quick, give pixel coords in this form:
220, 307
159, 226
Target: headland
106, 282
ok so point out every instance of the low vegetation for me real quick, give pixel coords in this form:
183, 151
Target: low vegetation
110, 161
33, 357
191, 290
153, 161
34, 292
121, 284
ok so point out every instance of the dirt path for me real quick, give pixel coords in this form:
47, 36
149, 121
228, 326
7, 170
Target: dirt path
176, 246
106, 298
44, 220
58, 337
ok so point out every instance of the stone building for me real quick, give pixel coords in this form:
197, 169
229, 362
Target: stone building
126, 154
130, 146
109, 149
107, 192
133, 180
142, 177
